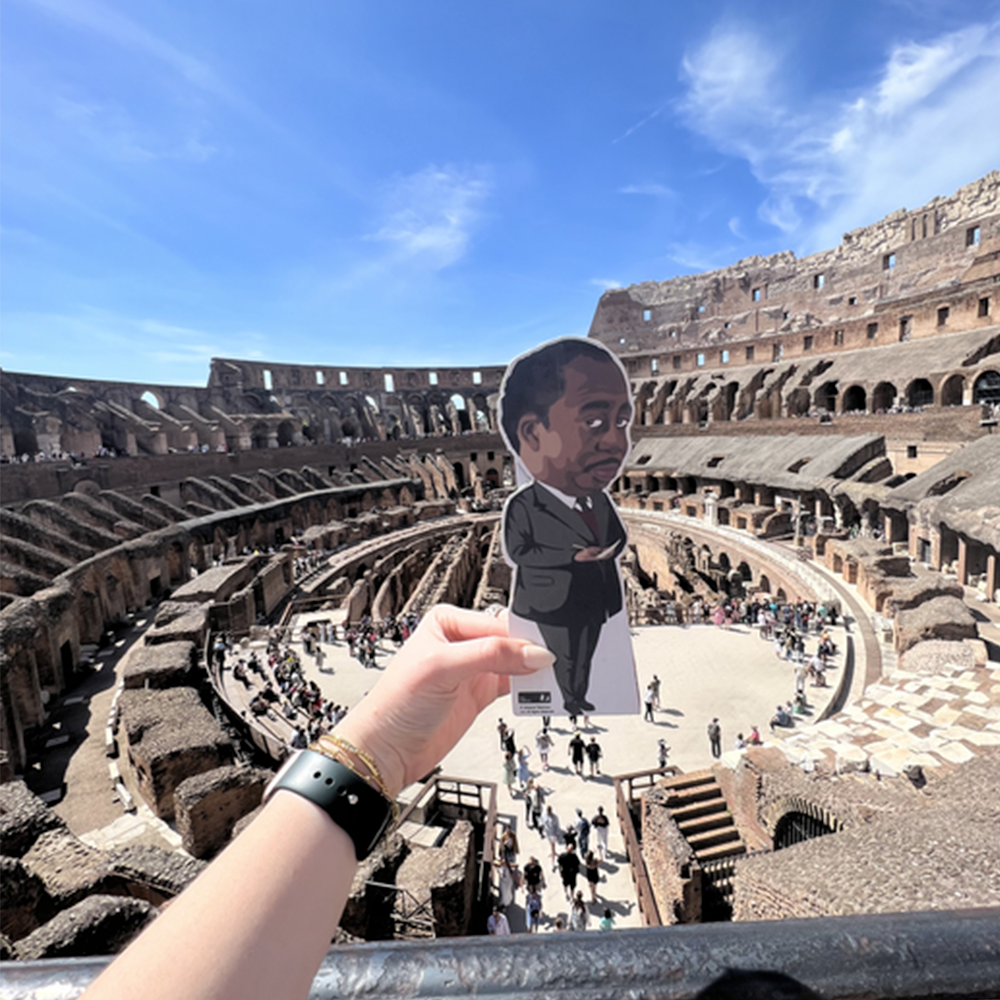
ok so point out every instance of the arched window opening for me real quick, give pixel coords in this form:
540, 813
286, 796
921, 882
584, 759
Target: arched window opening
150, 400
986, 388
953, 390
855, 400
920, 393
795, 827
883, 397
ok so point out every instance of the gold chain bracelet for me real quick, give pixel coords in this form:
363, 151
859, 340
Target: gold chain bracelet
337, 747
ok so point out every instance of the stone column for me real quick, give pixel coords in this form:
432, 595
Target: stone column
993, 578
963, 561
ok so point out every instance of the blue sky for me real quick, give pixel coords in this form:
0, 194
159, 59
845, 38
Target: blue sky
379, 182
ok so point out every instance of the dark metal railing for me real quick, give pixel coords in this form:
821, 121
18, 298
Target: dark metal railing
938, 955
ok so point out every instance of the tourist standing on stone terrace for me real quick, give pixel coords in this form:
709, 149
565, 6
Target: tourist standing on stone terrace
715, 737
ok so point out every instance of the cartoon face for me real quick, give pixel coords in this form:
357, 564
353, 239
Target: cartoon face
582, 445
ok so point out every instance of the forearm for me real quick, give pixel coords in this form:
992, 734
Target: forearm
256, 923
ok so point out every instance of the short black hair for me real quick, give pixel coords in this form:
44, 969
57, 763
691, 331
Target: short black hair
535, 381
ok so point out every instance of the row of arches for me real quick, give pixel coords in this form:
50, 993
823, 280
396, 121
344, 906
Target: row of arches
764, 396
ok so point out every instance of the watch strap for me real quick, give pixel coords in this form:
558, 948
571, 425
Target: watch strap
361, 811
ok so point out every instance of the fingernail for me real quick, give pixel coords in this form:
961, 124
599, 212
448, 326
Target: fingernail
537, 657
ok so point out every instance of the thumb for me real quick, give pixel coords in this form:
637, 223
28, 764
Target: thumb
495, 654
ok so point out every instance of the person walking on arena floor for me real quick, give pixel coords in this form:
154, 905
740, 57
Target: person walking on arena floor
569, 868
543, 744
647, 700
576, 751
553, 832
594, 755
582, 826
655, 685
601, 824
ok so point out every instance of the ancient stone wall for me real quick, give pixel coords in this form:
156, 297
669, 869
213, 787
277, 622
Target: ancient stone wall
168, 737
209, 805
674, 875
905, 254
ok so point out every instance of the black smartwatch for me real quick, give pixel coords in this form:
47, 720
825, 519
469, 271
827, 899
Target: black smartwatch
360, 810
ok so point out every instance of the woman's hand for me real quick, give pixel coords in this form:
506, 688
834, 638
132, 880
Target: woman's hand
449, 670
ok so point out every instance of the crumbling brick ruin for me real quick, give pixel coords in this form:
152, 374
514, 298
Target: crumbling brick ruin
835, 411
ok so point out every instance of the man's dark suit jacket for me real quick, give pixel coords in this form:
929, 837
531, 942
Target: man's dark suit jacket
541, 536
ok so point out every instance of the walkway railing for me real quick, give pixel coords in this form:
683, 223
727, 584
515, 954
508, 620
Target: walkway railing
904, 956
626, 787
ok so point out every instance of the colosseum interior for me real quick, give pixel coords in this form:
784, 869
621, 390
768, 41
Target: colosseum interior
820, 428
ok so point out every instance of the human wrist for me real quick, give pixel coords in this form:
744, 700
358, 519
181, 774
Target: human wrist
387, 764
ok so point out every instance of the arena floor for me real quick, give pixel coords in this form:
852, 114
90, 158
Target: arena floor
705, 671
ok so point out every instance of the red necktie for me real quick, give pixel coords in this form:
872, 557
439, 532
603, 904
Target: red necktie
584, 507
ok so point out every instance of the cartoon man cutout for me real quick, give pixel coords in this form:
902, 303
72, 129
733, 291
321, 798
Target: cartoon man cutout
565, 411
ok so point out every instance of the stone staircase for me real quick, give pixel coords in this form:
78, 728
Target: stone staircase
696, 804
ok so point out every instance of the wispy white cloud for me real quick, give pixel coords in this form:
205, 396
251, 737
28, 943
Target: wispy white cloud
638, 125
736, 228
112, 24
699, 258
917, 130
651, 190
115, 134
605, 283
180, 353
428, 218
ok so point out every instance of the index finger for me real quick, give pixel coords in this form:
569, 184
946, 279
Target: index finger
460, 624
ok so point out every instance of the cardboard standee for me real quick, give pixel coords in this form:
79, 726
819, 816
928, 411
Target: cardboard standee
565, 414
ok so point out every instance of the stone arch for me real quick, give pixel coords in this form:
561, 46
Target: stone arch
764, 584
152, 399
920, 393
286, 433
25, 441
953, 390
793, 819
730, 393
883, 397
744, 570
855, 399
986, 388
825, 397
